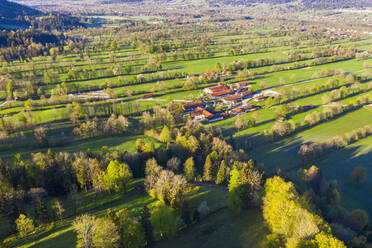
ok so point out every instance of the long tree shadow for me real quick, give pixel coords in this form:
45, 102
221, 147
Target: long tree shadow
339, 165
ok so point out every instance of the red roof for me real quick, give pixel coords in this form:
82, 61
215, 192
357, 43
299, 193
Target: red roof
192, 104
243, 83
244, 93
208, 73
201, 111
222, 93
246, 107
198, 111
217, 88
233, 97
236, 111
207, 114
147, 96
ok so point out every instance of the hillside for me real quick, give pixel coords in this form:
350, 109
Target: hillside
10, 14
12, 10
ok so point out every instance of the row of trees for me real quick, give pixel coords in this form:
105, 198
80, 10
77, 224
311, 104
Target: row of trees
281, 129
308, 152
113, 125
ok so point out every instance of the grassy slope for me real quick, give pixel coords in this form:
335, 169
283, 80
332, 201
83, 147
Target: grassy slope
122, 143
339, 166
244, 230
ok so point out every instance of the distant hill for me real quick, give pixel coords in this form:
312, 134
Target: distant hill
12, 14
12, 10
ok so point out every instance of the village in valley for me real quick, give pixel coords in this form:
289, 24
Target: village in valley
226, 100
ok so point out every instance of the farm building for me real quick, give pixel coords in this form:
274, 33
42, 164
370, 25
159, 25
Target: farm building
246, 94
215, 89
248, 108
220, 94
270, 93
192, 105
209, 74
232, 99
236, 111
241, 85
202, 114
241, 110
259, 98
225, 73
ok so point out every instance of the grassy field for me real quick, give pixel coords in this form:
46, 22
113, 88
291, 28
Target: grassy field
339, 166
244, 230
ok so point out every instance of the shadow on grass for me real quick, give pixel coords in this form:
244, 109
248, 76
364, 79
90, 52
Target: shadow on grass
339, 165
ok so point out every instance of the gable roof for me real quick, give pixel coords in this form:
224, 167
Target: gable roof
222, 93
217, 88
233, 97
192, 104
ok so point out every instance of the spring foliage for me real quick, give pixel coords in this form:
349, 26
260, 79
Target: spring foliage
288, 216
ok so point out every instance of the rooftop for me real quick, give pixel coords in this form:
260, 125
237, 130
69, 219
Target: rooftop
222, 93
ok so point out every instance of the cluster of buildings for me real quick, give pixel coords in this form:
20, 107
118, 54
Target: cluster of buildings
199, 112
232, 98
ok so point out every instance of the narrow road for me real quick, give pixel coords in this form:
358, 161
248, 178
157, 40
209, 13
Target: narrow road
3, 103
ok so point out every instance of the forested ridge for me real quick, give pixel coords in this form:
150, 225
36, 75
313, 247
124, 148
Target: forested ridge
12, 10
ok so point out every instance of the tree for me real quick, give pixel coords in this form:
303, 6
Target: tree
255, 117
323, 240
241, 123
262, 85
350, 78
152, 173
140, 145
147, 226
361, 217
208, 169
131, 232
282, 111
245, 181
85, 226
174, 164
165, 135
189, 169
118, 175
235, 199
287, 215
40, 135
10, 89
59, 210
28, 104
165, 221
292, 78
106, 234
222, 173
359, 174
24, 225
218, 66
41, 212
